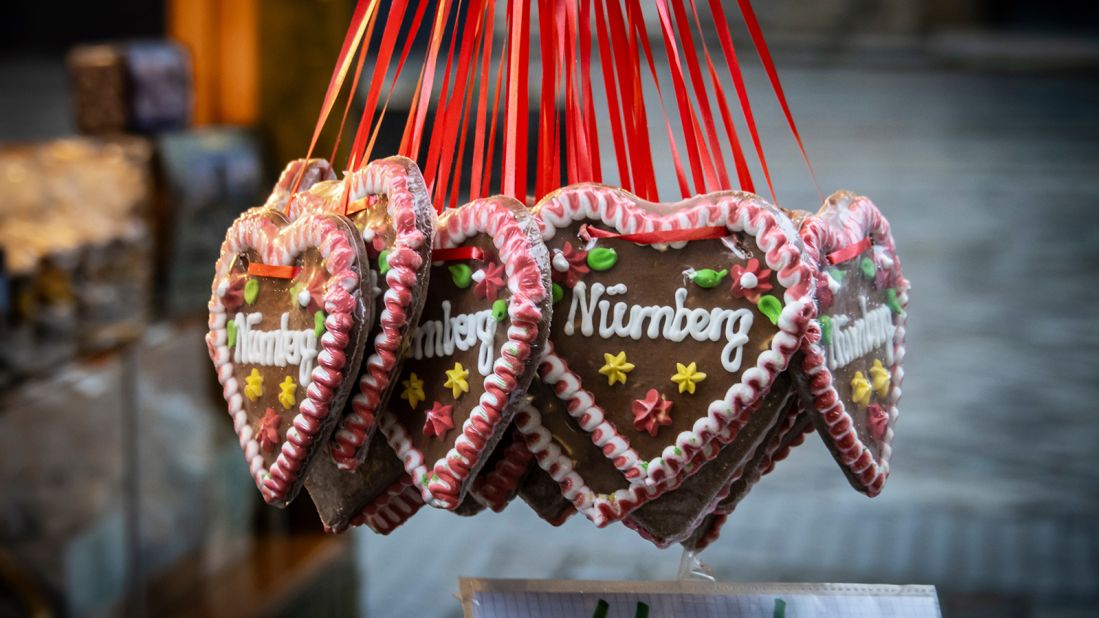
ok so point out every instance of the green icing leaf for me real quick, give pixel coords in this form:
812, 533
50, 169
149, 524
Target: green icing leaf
602, 258
867, 267
318, 323
461, 275
383, 262
708, 277
558, 293
500, 310
231, 334
251, 291
892, 301
826, 329
770, 306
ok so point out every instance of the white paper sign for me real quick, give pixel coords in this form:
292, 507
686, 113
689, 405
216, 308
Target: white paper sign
483, 598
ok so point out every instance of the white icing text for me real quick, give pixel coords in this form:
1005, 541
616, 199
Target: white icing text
275, 348
853, 339
435, 338
672, 323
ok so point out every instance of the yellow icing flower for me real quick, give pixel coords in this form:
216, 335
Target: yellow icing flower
287, 392
413, 390
687, 377
456, 380
253, 385
879, 379
860, 390
615, 368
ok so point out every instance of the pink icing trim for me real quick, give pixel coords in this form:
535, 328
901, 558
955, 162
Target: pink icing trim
409, 209
627, 214
823, 233
277, 242
315, 170
527, 283
495, 488
396, 506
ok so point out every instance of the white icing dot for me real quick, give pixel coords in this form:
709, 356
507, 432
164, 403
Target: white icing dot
560, 264
748, 281
368, 234
833, 285
223, 288
479, 276
303, 298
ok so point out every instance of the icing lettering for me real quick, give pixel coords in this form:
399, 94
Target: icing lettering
275, 348
853, 339
671, 323
436, 338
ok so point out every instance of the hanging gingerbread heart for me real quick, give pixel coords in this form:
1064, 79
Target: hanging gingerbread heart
672, 321
673, 516
288, 318
389, 204
474, 352
852, 367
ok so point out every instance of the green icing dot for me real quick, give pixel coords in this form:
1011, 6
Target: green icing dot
708, 277
383, 262
826, 329
891, 300
837, 274
644, 465
558, 293
677, 451
602, 258
770, 307
461, 275
318, 323
867, 267
231, 334
251, 291
499, 310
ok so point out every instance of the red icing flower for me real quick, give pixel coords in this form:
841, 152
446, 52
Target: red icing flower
569, 265
439, 421
750, 280
269, 430
490, 281
652, 412
878, 421
825, 298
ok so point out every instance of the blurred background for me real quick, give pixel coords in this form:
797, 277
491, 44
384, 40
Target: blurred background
132, 132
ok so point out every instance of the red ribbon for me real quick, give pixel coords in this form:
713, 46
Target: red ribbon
588, 232
849, 252
458, 253
272, 270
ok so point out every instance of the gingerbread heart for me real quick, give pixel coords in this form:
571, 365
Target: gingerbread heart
852, 367
389, 205
671, 322
673, 516
475, 349
288, 318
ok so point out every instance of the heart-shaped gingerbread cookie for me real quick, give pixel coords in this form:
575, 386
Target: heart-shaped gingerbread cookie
503, 472
288, 317
389, 205
474, 351
671, 322
852, 367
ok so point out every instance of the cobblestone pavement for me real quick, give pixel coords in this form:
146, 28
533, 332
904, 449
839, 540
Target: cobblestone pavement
990, 181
